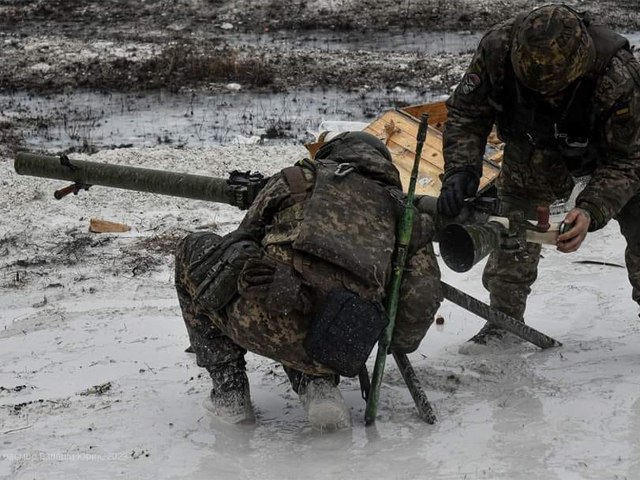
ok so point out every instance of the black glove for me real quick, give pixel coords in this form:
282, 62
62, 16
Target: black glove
274, 285
455, 189
256, 278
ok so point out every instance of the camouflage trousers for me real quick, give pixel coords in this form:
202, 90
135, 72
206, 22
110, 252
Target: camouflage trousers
221, 336
530, 179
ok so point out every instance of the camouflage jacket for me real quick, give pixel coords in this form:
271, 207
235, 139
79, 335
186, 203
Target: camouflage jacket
420, 294
615, 109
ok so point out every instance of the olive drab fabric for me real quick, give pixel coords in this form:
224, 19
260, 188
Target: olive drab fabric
551, 49
350, 207
301, 249
543, 154
210, 344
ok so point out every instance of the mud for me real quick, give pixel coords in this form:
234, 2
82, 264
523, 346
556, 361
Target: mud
199, 18
49, 64
205, 44
222, 49
88, 121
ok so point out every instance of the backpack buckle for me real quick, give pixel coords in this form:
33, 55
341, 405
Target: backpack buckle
344, 169
568, 141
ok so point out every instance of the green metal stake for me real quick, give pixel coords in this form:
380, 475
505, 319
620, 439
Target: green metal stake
405, 227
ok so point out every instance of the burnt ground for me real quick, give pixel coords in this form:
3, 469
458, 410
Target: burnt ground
51, 45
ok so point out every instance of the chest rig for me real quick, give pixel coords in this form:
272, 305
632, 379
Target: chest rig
344, 219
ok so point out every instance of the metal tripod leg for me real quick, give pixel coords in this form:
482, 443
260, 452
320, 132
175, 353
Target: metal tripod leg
498, 318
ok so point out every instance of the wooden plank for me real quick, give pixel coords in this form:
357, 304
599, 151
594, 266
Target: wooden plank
402, 145
403, 129
431, 152
437, 113
398, 130
97, 225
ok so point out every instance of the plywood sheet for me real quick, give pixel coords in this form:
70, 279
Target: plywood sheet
398, 130
437, 113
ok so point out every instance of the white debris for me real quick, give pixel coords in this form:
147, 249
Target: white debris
242, 140
424, 181
339, 126
234, 87
40, 67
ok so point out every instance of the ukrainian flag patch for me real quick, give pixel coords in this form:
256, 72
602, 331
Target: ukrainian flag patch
622, 109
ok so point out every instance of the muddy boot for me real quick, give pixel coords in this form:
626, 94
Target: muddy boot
323, 403
230, 399
488, 338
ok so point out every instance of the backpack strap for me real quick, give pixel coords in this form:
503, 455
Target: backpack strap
298, 184
607, 43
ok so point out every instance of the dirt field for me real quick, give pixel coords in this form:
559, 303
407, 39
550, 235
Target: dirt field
137, 45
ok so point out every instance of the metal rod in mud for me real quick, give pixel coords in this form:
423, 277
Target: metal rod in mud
425, 410
497, 317
85, 173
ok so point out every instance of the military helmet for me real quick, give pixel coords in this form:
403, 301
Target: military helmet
364, 137
551, 49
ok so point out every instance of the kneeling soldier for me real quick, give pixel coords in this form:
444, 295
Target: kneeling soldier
303, 278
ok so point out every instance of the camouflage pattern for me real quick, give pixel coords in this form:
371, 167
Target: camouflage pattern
629, 222
210, 344
248, 324
551, 49
533, 176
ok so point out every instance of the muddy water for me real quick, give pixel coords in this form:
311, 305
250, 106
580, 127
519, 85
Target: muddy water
84, 119
90, 119
422, 42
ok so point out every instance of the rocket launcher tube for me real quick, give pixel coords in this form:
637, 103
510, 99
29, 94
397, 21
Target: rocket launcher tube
84, 173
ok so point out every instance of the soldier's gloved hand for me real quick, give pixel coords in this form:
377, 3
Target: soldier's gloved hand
274, 285
256, 278
570, 241
455, 189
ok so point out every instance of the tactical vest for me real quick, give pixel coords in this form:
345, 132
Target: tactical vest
571, 128
348, 221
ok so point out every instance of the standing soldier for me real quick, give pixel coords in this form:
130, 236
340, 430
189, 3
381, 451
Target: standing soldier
565, 96
302, 279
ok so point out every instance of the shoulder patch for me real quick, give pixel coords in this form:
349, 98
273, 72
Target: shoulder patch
470, 82
622, 109
624, 128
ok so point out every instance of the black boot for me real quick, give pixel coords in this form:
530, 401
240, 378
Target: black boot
230, 398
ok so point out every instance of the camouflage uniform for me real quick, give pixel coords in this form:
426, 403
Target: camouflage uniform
220, 336
534, 174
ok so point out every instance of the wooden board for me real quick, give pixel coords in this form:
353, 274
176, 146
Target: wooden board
437, 113
398, 130
97, 225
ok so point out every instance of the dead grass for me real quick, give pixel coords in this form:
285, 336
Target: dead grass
179, 64
148, 254
189, 62
160, 244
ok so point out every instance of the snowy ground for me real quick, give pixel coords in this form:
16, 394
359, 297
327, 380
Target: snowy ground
80, 310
